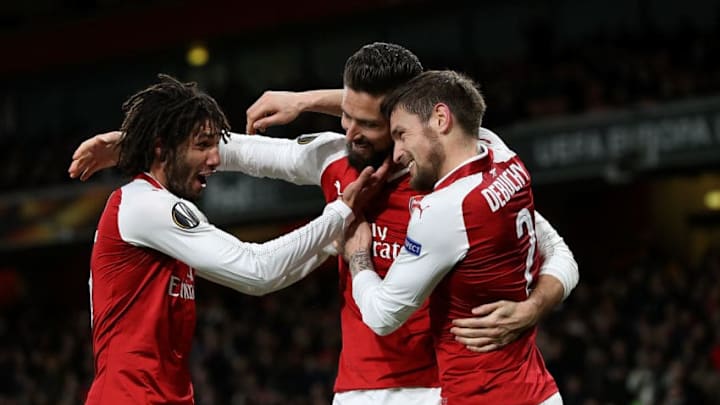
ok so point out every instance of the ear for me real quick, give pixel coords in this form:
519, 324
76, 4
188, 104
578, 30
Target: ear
158, 149
442, 118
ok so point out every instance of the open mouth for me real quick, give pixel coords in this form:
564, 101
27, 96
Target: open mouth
361, 145
203, 176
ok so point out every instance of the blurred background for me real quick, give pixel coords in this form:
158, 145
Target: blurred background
614, 105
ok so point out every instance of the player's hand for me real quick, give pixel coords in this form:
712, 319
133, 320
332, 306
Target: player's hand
94, 154
358, 193
495, 325
273, 108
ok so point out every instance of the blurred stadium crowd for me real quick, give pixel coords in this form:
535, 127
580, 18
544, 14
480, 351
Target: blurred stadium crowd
602, 72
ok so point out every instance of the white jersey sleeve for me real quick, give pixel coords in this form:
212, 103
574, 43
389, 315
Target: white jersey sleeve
559, 261
299, 161
158, 220
427, 257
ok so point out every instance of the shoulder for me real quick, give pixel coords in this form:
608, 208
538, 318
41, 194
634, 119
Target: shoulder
145, 207
501, 152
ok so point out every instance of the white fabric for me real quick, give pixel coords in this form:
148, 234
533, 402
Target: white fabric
389, 396
145, 219
304, 163
386, 304
559, 260
294, 161
555, 399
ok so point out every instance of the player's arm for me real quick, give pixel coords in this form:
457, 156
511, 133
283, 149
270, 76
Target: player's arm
178, 229
281, 107
387, 303
299, 161
499, 323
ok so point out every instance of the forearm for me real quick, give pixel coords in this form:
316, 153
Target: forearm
292, 276
559, 261
385, 304
259, 156
284, 159
547, 294
258, 269
322, 101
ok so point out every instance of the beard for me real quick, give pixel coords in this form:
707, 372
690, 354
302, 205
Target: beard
427, 175
360, 162
179, 177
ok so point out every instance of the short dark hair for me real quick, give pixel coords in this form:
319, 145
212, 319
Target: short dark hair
420, 95
379, 68
168, 112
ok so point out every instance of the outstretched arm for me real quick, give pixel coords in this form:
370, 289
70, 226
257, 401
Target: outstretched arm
250, 268
281, 107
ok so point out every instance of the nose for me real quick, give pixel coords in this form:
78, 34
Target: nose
351, 130
398, 152
213, 158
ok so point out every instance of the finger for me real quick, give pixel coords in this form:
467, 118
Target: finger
253, 123
467, 333
73, 169
477, 333
254, 109
275, 119
364, 176
477, 342
251, 116
381, 173
84, 176
484, 348
486, 309
250, 126
88, 172
473, 322
82, 149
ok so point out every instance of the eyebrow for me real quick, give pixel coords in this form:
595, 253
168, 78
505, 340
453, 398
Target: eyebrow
396, 130
359, 120
204, 135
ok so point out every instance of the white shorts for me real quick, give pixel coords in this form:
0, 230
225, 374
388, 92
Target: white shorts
389, 396
406, 396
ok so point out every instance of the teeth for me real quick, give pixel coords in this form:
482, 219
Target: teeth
411, 164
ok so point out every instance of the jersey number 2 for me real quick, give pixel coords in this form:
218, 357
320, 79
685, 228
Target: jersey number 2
525, 221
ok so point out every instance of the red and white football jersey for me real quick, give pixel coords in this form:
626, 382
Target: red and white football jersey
470, 242
406, 357
149, 246
367, 361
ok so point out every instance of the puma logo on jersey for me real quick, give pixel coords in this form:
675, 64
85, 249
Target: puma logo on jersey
337, 187
183, 216
415, 204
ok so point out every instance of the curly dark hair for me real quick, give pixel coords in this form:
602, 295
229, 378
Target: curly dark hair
166, 113
378, 68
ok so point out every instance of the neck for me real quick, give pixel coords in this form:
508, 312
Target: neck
458, 148
157, 171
